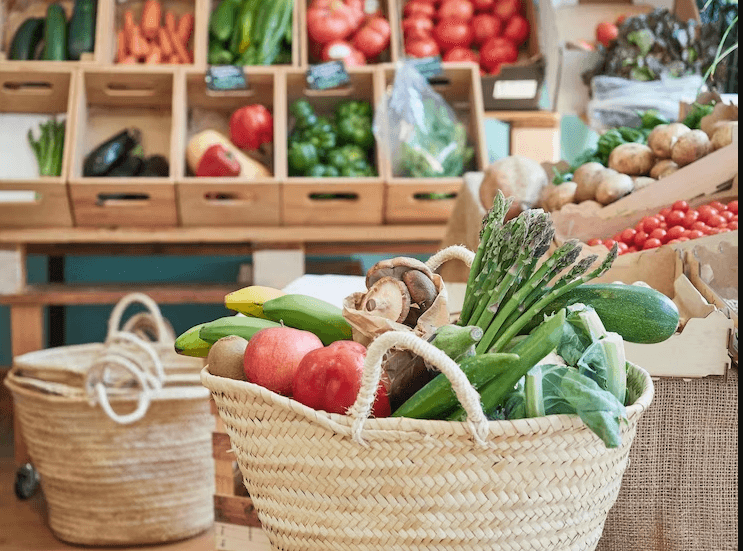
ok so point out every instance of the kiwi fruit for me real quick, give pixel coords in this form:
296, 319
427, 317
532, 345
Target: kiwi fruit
225, 357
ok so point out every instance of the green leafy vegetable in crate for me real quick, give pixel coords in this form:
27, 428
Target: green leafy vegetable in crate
49, 148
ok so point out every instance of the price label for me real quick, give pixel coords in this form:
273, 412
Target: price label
327, 75
225, 77
429, 67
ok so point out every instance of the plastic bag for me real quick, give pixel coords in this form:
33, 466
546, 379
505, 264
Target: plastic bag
419, 132
618, 101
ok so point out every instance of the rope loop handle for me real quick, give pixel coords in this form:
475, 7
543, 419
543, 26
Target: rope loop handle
114, 322
98, 390
465, 392
453, 252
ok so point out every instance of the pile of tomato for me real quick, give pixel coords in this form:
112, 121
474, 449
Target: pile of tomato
674, 225
487, 32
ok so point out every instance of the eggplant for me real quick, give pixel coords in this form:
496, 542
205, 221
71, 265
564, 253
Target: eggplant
155, 166
111, 153
131, 166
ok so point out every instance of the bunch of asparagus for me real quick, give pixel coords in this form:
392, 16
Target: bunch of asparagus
506, 288
49, 148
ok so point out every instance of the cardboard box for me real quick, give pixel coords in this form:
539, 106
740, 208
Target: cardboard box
30, 94
564, 26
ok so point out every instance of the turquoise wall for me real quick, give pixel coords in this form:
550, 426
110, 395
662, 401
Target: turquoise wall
88, 323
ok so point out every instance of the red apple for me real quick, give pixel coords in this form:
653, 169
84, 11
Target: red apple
273, 355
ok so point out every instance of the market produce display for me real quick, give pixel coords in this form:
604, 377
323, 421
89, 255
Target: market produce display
344, 31
158, 37
251, 32
337, 146
486, 32
54, 38
123, 156
49, 148
674, 224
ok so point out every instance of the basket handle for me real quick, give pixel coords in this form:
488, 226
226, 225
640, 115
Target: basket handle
453, 252
114, 322
465, 392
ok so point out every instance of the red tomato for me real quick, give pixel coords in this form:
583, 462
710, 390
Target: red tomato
675, 232
609, 243
416, 8
622, 247
422, 47
417, 27
689, 218
693, 234
650, 223
342, 50
732, 206
673, 242
497, 51
715, 231
715, 221
460, 9
676, 218
659, 234
461, 54
517, 29
652, 243
683, 238
486, 26
733, 225
628, 235
632, 249
483, 5
606, 33
705, 211
717, 205
665, 212
453, 33
506, 9
595, 241
661, 217
640, 239
699, 225
683, 206
727, 215
373, 37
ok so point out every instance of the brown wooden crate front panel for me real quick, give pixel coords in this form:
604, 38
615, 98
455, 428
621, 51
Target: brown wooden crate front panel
51, 208
407, 202
303, 204
95, 203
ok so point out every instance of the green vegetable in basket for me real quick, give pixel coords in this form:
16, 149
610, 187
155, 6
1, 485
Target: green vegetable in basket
49, 148
697, 112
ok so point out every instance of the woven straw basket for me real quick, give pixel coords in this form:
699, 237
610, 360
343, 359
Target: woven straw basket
325, 482
120, 463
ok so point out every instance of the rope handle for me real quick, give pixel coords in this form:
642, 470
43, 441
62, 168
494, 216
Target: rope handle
114, 322
465, 392
453, 252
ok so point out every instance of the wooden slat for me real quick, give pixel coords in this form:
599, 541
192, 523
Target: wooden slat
60, 294
221, 447
235, 510
526, 119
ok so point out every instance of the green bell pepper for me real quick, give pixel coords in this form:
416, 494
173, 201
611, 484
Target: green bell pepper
351, 161
353, 108
323, 171
354, 122
303, 113
322, 135
302, 157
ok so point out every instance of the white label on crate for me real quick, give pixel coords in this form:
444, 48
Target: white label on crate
514, 89
371, 6
17, 196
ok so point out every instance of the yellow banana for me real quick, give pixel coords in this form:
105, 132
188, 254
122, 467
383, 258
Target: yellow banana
190, 344
249, 300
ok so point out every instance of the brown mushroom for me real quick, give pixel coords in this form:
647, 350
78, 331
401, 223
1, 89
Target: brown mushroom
395, 268
421, 288
388, 298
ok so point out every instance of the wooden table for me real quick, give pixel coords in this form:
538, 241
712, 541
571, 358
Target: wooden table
28, 302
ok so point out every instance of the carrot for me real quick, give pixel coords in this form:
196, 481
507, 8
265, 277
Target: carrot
185, 28
174, 59
121, 52
170, 22
129, 60
154, 57
151, 14
179, 48
138, 45
128, 23
165, 45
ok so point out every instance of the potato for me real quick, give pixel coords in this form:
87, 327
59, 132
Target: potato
723, 135
639, 182
721, 113
517, 177
583, 177
691, 147
554, 197
633, 159
225, 358
663, 137
663, 168
612, 185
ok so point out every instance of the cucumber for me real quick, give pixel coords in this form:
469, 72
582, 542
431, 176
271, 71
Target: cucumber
437, 398
309, 314
55, 34
638, 314
27, 38
273, 33
81, 35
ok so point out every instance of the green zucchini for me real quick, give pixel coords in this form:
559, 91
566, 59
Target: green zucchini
27, 38
637, 313
55, 34
81, 35
274, 31
437, 397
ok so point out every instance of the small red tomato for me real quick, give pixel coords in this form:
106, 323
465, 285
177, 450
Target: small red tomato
673, 242
714, 231
609, 243
632, 249
660, 234
693, 234
517, 29
733, 225
628, 235
650, 223
486, 26
675, 232
458, 9
506, 9
422, 47
715, 221
417, 27
689, 218
732, 206
595, 241
665, 212
606, 33
640, 239
483, 5
416, 8
622, 247
651, 243
699, 225
676, 218
683, 206
453, 33
461, 54
717, 205
683, 238
727, 215
705, 211
661, 217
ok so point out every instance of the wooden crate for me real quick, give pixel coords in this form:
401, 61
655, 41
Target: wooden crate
388, 8
333, 201
415, 199
115, 21
15, 12
209, 6
236, 524
109, 100
28, 89
229, 201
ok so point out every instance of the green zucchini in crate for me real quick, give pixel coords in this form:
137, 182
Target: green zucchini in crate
27, 39
81, 35
55, 34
